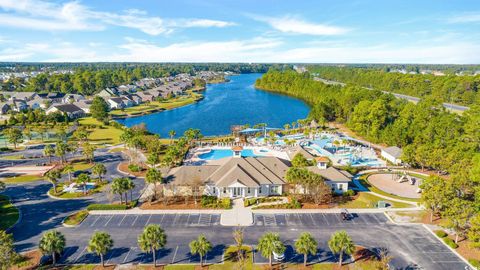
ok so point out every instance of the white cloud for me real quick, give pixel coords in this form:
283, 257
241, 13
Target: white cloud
293, 25
470, 17
43, 15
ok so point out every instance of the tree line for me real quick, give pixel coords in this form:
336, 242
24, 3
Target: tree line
91, 78
450, 88
430, 136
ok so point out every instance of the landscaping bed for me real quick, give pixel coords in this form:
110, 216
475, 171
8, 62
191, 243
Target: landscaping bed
133, 169
8, 212
76, 218
179, 203
115, 206
72, 195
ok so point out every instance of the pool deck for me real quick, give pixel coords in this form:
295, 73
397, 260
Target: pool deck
194, 159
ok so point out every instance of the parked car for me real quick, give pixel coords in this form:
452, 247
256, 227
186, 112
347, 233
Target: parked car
345, 215
278, 256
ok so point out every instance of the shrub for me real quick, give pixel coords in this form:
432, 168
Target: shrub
441, 233
450, 242
134, 168
208, 200
107, 207
349, 193
76, 218
294, 204
249, 202
225, 203
475, 263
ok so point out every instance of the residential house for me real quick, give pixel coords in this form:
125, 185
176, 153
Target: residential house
72, 98
108, 92
72, 111
84, 105
392, 154
116, 103
17, 105
146, 96
136, 99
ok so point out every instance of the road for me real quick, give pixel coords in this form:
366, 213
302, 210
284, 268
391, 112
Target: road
408, 245
40, 213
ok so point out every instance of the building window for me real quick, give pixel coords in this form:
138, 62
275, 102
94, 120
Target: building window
274, 189
224, 190
248, 190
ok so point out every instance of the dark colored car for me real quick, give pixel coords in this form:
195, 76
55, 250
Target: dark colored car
345, 215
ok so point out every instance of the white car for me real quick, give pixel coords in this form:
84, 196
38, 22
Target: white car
278, 256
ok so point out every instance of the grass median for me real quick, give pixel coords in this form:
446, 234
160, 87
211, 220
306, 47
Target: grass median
8, 212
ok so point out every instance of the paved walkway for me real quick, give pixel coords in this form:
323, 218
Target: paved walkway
239, 215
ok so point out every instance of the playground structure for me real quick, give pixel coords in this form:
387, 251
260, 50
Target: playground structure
399, 183
403, 176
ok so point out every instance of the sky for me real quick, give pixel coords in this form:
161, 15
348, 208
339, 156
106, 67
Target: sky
272, 31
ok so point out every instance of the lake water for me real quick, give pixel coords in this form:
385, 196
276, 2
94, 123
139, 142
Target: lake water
234, 103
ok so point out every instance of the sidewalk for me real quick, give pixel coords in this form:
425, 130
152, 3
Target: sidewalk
239, 215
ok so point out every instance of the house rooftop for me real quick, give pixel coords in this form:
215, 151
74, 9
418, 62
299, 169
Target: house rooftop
394, 151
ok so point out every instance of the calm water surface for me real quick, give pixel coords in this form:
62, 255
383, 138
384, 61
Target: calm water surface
234, 103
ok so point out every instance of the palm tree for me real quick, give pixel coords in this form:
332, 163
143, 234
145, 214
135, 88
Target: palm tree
152, 239
83, 179
269, 243
286, 126
153, 159
117, 188
99, 169
172, 134
305, 245
51, 243
238, 237
68, 170
201, 246
53, 176
48, 151
100, 243
341, 243
129, 186
154, 177
61, 151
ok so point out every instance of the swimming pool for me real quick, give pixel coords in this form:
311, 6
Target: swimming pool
215, 154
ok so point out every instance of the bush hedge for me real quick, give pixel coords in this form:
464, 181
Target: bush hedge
107, 207
441, 233
349, 193
76, 218
214, 202
450, 242
134, 168
475, 263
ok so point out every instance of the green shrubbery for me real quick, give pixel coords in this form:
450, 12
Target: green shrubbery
214, 202
475, 263
253, 201
349, 193
134, 168
450, 242
293, 204
441, 233
107, 207
76, 218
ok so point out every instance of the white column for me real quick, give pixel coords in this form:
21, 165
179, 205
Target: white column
255, 192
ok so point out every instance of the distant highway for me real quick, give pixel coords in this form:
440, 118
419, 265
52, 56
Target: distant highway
448, 106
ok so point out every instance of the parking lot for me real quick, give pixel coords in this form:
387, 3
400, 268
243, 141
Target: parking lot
140, 221
408, 244
317, 219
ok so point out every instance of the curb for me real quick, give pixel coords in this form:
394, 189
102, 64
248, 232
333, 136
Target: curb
126, 173
451, 249
73, 226
67, 199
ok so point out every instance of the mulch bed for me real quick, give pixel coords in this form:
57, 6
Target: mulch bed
124, 168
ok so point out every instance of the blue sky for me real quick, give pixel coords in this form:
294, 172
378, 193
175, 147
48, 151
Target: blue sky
361, 31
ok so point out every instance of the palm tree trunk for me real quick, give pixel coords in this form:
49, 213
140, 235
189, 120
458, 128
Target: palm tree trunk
154, 258
305, 259
431, 216
101, 259
54, 261
69, 177
456, 238
201, 261
270, 260
340, 259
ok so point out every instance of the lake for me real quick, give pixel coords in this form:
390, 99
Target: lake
233, 103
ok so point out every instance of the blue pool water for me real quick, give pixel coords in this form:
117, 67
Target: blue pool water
234, 103
224, 153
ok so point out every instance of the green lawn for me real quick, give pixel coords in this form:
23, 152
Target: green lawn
22, 179
8, 212
368, 200
12, 157
116, 150
101, 134
364, 181
81, 165
157, 105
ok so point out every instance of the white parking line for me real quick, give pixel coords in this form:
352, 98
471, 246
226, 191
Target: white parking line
136, 217
80, 255
128, 253
162, 218
108, 221
174, 254
93, 224
324, 217
120, 223
109, 257
313, 220
375, 217
148, 220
